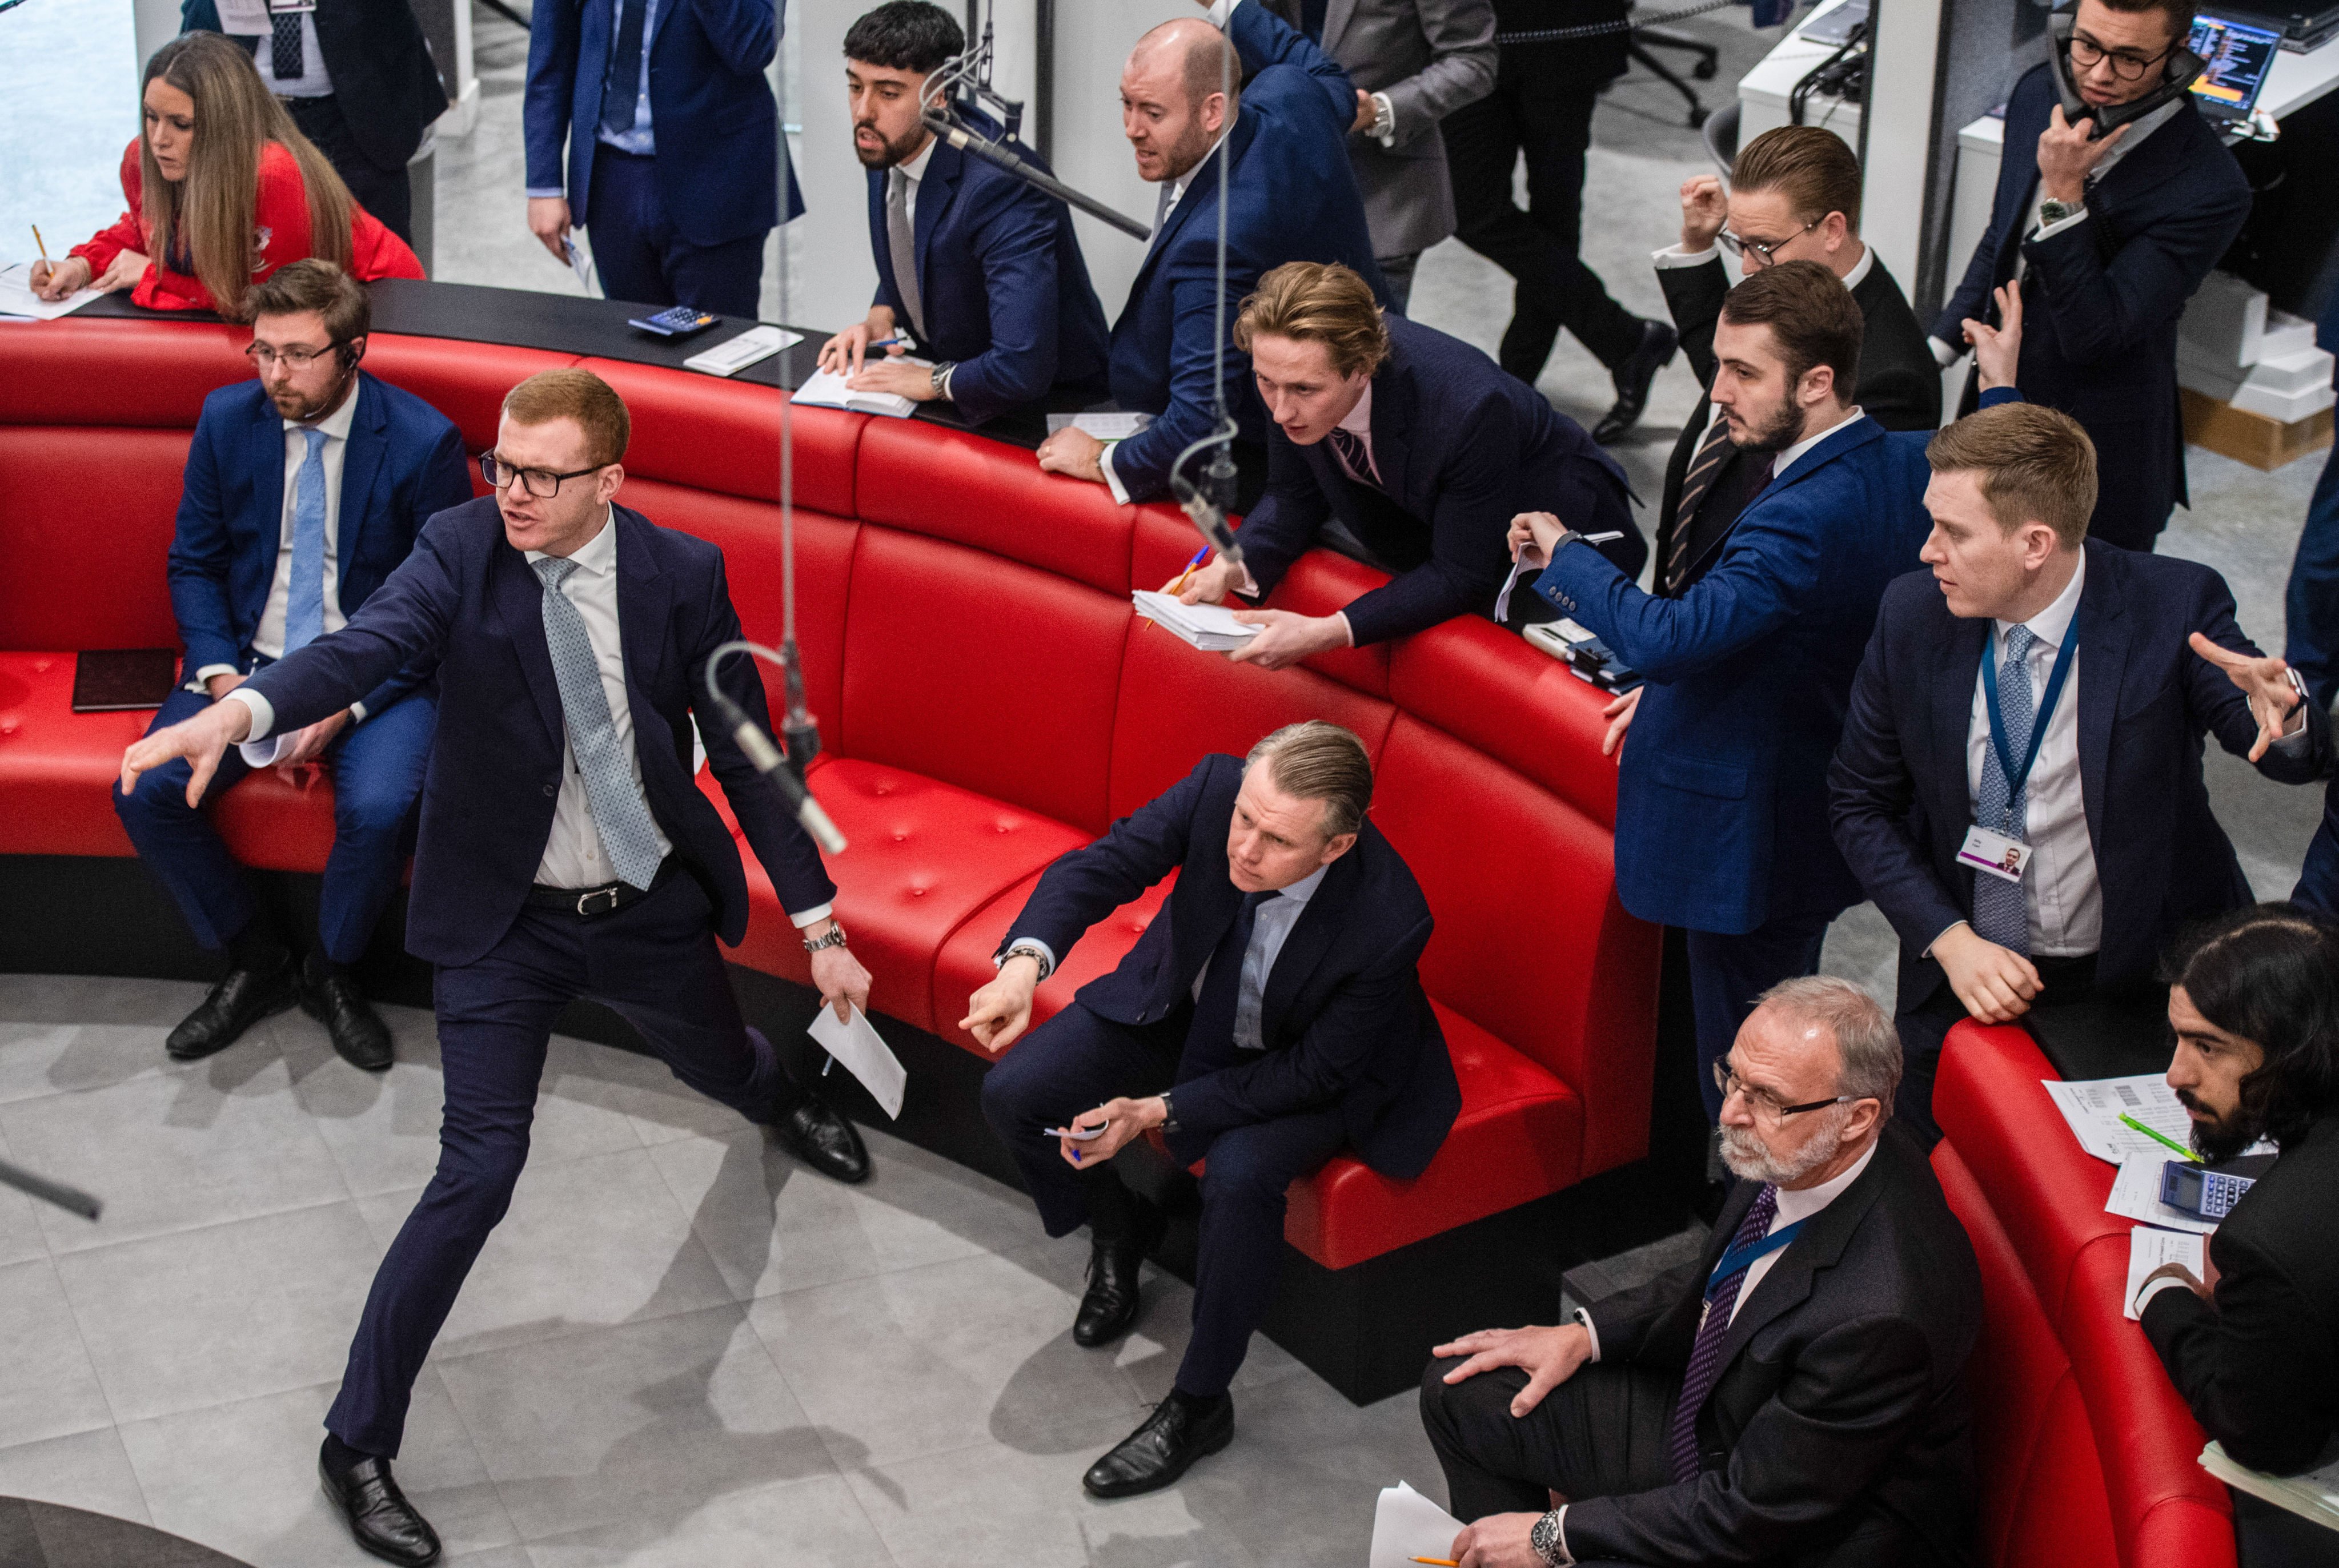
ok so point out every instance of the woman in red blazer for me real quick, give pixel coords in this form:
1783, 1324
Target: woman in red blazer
222, 190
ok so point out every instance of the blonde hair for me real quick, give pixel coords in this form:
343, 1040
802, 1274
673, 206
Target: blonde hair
211, 216
581, 395
2031, 462
1318, 302
1321, 761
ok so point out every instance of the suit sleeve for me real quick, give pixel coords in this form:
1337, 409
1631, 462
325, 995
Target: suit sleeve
1287, 517
1624, 1322
1142, 462
1857, 1393
442, 481
404, 622
746, 34
1263, 39
1334, 1052
2219, 706
553, 40
1694, 295
1016, 246
1903, 394
2255, 1369
1083, 886
2009, 205
198, 561
1461, 69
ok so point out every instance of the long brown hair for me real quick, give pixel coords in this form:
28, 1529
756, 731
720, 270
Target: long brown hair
211, 216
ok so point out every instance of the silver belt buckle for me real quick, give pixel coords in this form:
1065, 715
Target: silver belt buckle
585, 900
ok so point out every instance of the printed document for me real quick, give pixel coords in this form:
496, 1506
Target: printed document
2148, 1247
2135, 1194
1407, 1525
1209, 627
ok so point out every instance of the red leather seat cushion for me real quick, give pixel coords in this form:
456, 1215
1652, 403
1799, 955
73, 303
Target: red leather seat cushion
83, 371
278, 826
956, 486
465, 382
57, 768
719, 435
87, 517
964, 966
921, 858
1317, 584
1501, 694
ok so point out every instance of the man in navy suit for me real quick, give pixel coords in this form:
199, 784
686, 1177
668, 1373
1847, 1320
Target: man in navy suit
674, 152
1270, 1017
981, 270
2109, 237
1420, 448
565, 851
1290, 198
1722, 824
304, 491
2035, 693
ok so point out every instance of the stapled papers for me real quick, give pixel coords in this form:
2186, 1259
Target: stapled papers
1209, 627
2094, 1107
864, 1054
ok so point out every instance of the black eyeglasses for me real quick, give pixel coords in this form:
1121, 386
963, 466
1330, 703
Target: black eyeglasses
541, 483
300, 359
1767, 250
2087, 54
1766, 1104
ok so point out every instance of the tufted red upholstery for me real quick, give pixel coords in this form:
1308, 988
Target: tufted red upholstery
987, 701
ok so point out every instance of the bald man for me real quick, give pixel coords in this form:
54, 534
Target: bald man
1290, 198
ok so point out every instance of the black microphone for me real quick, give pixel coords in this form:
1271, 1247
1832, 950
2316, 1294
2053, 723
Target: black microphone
783, 769
940, 122
1208, 515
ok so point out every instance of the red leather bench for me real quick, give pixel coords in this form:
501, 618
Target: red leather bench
2087, 1452
987, 701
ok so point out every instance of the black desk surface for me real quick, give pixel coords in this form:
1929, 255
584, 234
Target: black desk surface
566, 324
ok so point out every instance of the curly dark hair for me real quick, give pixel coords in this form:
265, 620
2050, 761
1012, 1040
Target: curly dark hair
2269, 974
905, 35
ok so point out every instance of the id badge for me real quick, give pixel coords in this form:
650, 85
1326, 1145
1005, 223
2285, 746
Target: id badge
290, 7
2001, 856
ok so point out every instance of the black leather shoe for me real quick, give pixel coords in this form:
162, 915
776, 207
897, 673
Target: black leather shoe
357, 1030
1658, 342
1109, 1305
383, 1522
818, 1134
236, 1003
1158, 1452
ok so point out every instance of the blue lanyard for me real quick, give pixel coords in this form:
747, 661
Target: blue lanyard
2016, 777
1738, 1258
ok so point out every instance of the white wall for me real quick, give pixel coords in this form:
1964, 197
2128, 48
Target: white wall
1900, 132
64, 120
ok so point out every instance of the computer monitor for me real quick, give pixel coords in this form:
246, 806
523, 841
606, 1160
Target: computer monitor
2239, 53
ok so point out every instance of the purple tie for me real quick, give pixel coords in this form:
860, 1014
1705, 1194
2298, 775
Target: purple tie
1705, 1353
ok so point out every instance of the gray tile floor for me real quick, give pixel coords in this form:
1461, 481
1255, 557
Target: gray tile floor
680, 1347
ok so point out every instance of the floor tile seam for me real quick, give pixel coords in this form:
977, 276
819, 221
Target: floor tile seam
89, 1359
176, 1231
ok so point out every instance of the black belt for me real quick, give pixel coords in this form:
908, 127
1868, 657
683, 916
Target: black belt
593, 902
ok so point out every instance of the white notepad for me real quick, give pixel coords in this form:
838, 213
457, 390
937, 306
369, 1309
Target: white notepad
1211, 627
826, 389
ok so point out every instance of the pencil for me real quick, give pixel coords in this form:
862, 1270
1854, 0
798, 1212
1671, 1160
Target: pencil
2161, 1138
39, 244
1183, 577
1438, 1562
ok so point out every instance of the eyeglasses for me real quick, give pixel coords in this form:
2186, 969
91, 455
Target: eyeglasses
266, 354
540, 483
1764, 1104
1768, 250
2087, 54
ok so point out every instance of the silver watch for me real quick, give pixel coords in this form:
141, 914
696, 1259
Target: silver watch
938, 379
835, 938
1544, 1539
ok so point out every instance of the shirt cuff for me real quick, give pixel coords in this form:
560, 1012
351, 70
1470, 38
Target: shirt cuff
357, 713
201, 682
1945, 354
2293, 730
1384, 129
2049, 230
263, 715
1584, 1315
812, 916
1672, 255
1221, 11
1560, 1530
1111, 480
2165, 1282
1037, 949
1248, 586
535, 191
1346, 631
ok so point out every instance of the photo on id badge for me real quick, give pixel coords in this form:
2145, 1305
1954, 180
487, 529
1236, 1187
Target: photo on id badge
1995, 853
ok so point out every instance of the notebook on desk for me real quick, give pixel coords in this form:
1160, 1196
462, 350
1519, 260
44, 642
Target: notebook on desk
826, 389
118, 680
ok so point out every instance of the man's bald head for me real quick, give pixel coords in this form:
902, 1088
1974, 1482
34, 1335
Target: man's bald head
1177, 91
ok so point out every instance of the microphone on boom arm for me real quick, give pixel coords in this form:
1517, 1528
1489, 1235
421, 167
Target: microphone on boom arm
799, 732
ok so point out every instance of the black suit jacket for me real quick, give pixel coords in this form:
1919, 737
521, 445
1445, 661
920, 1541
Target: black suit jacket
1839, 1431
1462, 447
1900, 381
2100, 300
1898, 790
384, 79
468, 600
1345, 1018
2261, 1370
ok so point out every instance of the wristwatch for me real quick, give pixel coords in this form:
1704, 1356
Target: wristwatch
1030, 949
1545, 1540
835, 938
1566, 537
1168, 1113
938, 379
2051, 211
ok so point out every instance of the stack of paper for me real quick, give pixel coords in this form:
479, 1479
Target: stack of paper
1209, 627
2313, 1495
1409, 1527
2135, 1194
17, 298
2148, 1247
1110, 426
826, 389
752, 347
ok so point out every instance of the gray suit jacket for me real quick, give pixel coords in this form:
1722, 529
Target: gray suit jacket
1431, 57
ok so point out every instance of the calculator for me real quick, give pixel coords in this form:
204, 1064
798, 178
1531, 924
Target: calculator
679, 322
2211, 1194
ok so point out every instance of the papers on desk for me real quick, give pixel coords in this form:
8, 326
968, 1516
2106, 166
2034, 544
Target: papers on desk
2313, 1495
752, 347
2094, 1108
17, 298
1209, 627
1112, 426
864, 1054
1407, 1525
2135, 1194
826, 389
2148, 1247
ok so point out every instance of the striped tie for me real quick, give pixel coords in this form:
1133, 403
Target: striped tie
1705, 1351
1354, 457
1711, 453
2001, 910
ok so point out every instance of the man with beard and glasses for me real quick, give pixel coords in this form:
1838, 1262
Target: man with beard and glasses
978, 270
1650, 1430
1722, 824
2253, 1000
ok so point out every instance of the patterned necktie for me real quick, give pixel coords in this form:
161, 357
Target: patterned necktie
2001, 912
624, 83
1704, 468
901, 242
304, 602
1217, 1010
1706, 1351
284, 47
1353, 453
619, 812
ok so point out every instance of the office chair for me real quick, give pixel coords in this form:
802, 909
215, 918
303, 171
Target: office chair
1705, 62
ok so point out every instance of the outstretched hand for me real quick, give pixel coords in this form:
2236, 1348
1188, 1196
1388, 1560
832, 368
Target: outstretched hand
2265, 680
1998, 350
202, 740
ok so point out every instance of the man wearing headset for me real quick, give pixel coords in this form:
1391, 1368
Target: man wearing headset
303, 491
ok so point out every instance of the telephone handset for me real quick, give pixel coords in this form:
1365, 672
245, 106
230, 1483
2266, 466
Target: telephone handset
2184, 68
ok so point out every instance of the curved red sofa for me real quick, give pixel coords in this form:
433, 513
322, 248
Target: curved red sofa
2086, 1451
987, 701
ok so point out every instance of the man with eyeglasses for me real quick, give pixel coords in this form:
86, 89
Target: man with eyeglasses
1649, 1429
304, 491
2114, 198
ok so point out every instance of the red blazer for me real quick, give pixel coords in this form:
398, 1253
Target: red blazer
282, 221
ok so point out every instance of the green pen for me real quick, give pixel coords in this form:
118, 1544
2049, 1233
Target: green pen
2160, 1138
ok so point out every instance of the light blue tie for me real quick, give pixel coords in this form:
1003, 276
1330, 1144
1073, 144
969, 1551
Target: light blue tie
2001, 910
304, 609
619, 811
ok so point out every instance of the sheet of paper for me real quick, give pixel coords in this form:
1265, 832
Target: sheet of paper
2093, 1108
580, 261
1211, 620
2135, 1194
1407, 1525
2148, 1247
17, 298
1112, 426
1503, 599
752, 347
2313, 1495
263, 753
864, 1055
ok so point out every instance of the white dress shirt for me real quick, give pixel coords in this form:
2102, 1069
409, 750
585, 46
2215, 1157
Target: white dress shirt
313, 81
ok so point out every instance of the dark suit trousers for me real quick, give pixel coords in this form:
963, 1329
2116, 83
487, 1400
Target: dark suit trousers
1542, 105
387, 193
1075, 1062
642, 256
1601, 1433
1727, 974
2311, 602
377, 770
656, 963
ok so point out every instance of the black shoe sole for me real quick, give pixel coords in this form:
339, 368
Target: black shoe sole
364, 1546
1171, 1478
215, 1048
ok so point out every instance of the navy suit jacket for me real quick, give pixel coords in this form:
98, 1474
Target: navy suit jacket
1291, 197
2318, 878
1722, 819
718, 139
1345, 1018
383, 77
404, 462
1461, 447
468, 600
1006, 293
1898, 783
2101, 299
